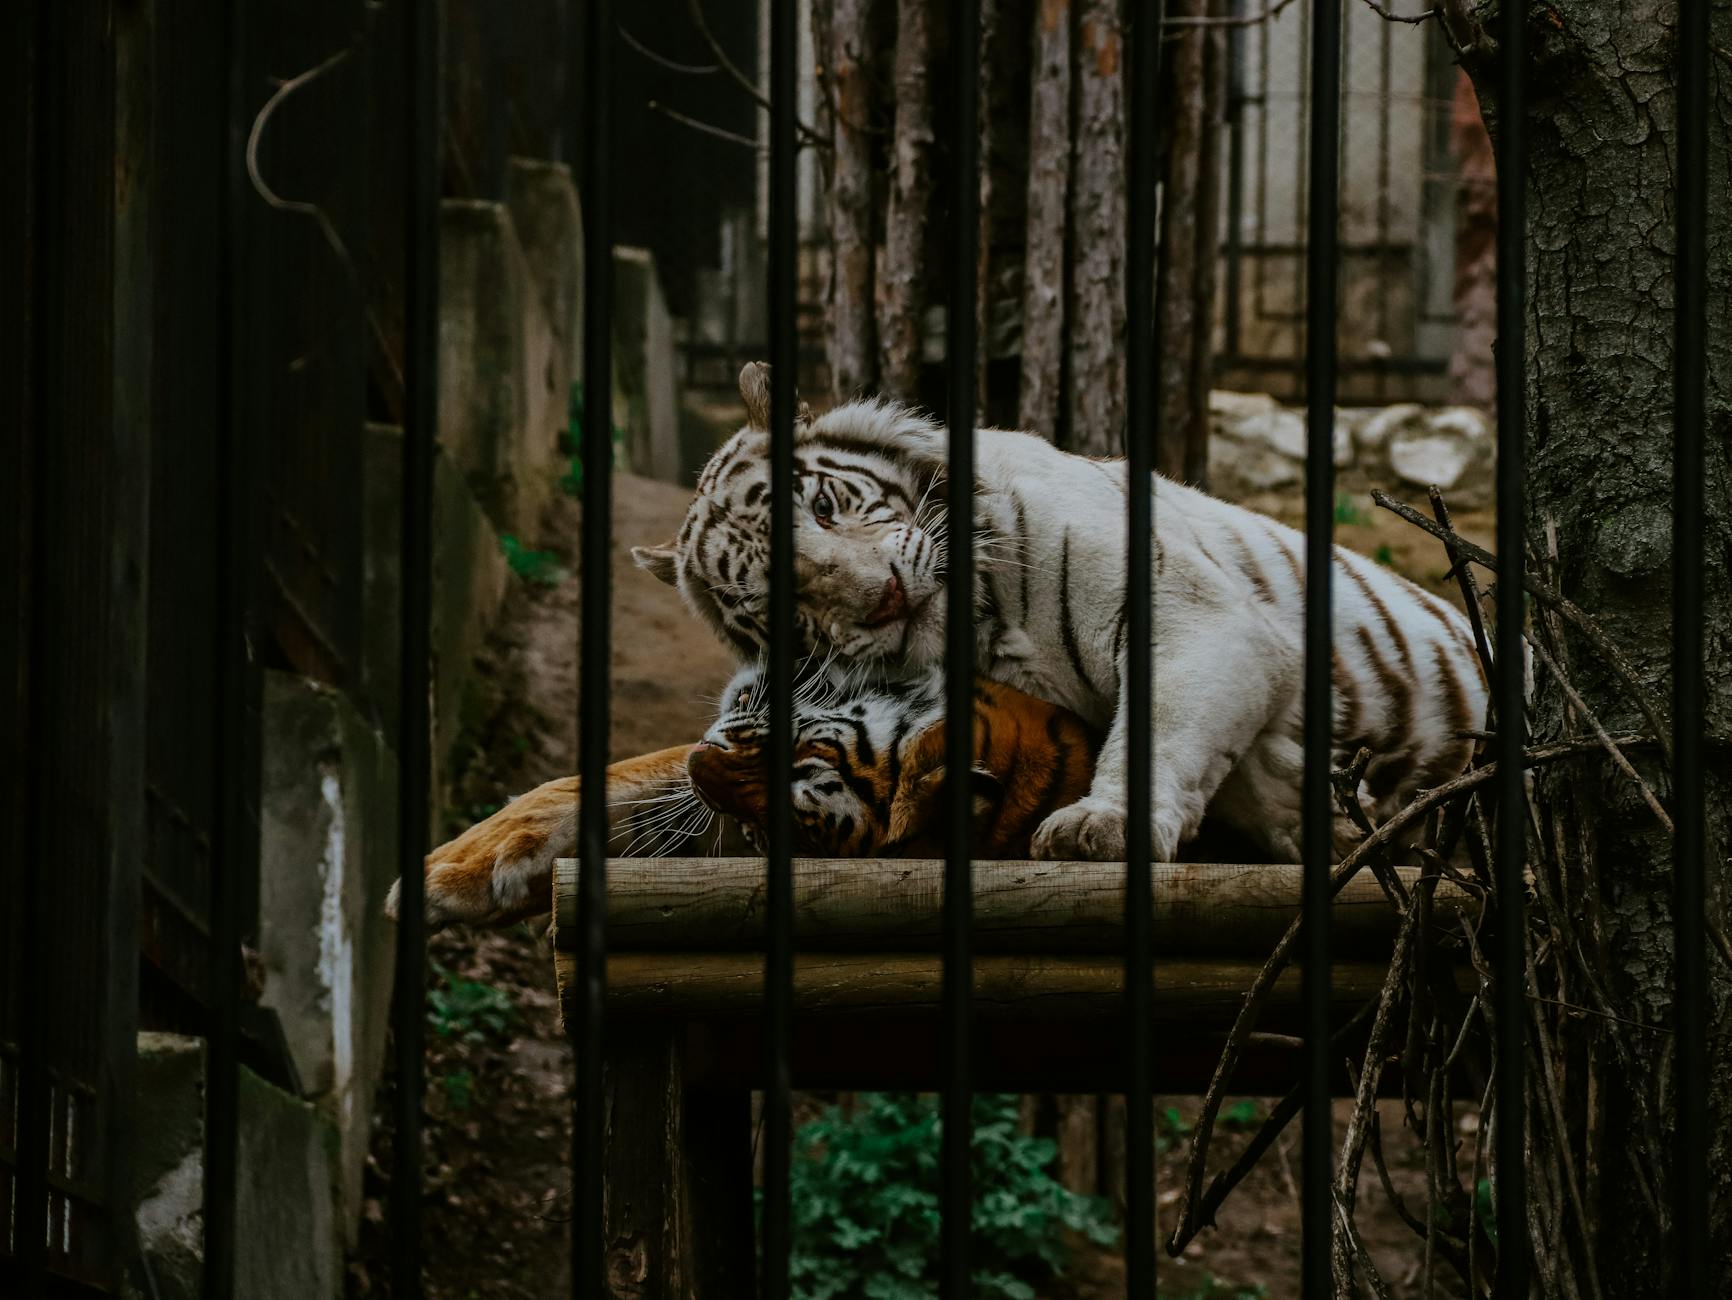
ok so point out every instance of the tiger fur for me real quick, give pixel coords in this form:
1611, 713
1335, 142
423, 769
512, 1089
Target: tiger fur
1049, 607
868, 775
869, 768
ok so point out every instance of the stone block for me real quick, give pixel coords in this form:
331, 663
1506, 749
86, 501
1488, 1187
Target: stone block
470, 577
646, 368
288, 1243
502, 384
328, 854
549, 221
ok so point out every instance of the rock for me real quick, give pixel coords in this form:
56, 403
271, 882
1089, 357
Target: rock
1428, 459
1373, 433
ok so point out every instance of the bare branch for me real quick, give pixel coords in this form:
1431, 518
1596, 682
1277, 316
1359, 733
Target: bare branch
662, 60
1540, 591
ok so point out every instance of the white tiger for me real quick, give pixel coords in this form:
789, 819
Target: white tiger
1049, 603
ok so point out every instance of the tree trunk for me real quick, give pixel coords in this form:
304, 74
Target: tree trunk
903, 281
1049, 167
1208, 255
1181, 204
852, 358
1097, 295
990, 70
1599, 359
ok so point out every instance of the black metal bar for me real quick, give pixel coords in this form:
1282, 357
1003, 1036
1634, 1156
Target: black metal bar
595, 652
228, 850
1511, 1014
1142, 427
957, 1199
1690, 377
1321, 266
779, 884
45, 373
421, 150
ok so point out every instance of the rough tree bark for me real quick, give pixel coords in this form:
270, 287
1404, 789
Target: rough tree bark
1181, 260
902, 278
1097, 291
1208, 236
990, 73
1049, 166
852, 354
1599, 354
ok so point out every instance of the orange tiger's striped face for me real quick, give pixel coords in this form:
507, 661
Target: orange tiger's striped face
846, 759
869, 766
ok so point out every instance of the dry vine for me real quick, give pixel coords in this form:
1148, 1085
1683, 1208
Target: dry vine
1433, 1023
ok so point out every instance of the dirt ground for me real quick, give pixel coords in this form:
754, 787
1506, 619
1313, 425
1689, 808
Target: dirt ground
498, 1087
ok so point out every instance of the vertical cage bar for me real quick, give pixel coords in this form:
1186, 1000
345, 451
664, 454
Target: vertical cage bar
1142, 421
779, 885
414, 743
1510, 1183
957, 1130
595, 653
1321, 279
228, 853
1690, 278
46, 371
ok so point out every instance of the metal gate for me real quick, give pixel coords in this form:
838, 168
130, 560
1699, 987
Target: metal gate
1323, 264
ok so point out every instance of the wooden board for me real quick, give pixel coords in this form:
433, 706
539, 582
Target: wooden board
894, 905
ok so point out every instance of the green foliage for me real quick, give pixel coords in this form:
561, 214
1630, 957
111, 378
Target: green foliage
1383, 555
540, 567
459, 1089
1240, 1117
1483, 1207
468, 1010
865, 1203
571, 443
1171, 1128
1347, 511
1212, 1288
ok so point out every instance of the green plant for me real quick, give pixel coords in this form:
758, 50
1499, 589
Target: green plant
571, 442
532, 566
468, 1010
1171, 1128
459, 1088
865, 1203
1383, 555
1485, 1209
1240, 1117
1347, 511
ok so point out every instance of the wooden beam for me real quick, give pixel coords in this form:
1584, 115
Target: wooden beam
893, 905
1188, 991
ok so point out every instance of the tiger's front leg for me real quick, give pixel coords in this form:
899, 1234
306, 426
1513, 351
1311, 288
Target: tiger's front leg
1217, 684
500, 870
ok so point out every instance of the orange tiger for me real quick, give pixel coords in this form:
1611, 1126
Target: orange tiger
868, 780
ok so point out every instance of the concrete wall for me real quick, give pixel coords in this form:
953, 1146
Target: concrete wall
647, 395
328, 797
286, 1194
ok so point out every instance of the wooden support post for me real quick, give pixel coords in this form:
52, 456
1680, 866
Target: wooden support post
677, 1209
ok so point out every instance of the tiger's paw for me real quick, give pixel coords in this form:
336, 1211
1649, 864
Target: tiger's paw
1090, 830
499, 871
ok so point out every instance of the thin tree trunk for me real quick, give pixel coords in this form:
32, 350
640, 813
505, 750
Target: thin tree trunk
989, 76
903, 276
1097, 292
852, 355
1181, 205
1208, 255
1049, 167
1599, 358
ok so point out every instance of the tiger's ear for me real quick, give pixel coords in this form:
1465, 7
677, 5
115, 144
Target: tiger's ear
920, 803
658, 560
988, 790
755, 393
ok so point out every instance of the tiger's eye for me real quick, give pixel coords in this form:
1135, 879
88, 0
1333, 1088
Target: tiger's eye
823, 507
